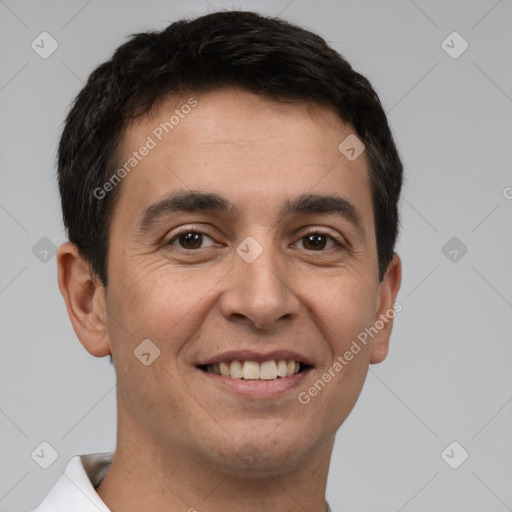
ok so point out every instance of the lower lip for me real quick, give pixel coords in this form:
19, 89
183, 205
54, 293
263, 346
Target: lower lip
258, 388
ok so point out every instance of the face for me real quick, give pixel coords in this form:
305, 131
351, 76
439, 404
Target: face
244, 234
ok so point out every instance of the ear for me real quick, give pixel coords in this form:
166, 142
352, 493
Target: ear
85, 300
383, 322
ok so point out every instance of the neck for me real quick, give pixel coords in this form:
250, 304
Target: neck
171, 478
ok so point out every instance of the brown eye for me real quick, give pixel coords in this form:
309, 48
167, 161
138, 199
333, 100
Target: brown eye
189, 240
317, 241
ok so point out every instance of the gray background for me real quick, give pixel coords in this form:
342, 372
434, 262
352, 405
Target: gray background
447, 377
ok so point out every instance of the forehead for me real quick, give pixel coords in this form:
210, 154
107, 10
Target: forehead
240, 144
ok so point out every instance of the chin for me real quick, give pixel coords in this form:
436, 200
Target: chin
264, 452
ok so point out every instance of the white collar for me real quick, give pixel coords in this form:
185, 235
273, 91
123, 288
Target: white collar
75, 490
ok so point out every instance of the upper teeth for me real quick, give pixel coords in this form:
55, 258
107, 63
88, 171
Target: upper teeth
267, 370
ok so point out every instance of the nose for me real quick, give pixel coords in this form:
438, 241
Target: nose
260, 295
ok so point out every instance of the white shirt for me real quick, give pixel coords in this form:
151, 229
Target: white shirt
75, 489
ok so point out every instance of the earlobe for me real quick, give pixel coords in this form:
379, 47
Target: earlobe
85, 300
388, 292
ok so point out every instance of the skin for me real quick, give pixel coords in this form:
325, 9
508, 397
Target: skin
181, 440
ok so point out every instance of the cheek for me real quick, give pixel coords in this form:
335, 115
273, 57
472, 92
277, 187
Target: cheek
155, 301
344, 309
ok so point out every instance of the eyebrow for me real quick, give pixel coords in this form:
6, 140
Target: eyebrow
197, 201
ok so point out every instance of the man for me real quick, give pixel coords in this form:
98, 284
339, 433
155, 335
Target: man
230, 188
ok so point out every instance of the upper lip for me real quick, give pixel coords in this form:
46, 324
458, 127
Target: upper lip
251, 355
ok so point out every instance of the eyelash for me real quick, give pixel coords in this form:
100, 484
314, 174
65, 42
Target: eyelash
338, 244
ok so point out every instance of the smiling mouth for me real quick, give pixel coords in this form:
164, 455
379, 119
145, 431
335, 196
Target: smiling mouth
253, 370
